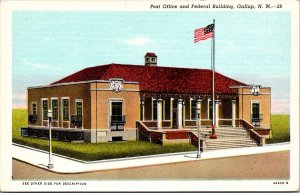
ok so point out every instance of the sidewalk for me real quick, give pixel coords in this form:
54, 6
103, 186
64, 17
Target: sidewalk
67, 165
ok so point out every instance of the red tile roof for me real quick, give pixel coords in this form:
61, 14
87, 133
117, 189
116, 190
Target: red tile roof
158, 79
151, 54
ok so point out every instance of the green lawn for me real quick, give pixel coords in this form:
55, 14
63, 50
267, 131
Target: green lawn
280, 129
19, 119
89, 151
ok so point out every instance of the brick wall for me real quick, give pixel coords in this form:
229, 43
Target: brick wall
75, 91
131, 104
264, 99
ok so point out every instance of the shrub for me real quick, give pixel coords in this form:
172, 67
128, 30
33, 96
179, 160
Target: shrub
89, 151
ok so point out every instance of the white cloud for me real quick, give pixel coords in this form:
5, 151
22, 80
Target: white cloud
19, 100
230, 45
280, 106
30, 64
20, 105
19, 96
40, 65
138, 41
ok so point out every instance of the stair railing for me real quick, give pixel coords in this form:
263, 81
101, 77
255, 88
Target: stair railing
253, 134
144, 133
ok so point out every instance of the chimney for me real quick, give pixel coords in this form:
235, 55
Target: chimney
150, 59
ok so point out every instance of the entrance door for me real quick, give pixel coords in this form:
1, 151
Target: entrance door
174, 114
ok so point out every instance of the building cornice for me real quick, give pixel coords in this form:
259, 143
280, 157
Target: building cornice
74, 83
249, 86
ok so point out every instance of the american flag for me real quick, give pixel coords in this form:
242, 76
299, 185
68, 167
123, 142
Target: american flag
203, 33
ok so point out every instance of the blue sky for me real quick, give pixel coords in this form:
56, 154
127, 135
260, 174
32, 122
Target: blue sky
252, 47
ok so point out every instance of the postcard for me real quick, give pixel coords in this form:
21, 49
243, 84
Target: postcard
190, 95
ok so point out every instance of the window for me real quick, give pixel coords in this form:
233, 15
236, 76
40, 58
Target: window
255, 111
33, 108
78, 107
65, 103
117, 111
45, 109
54, 109
193, 109
153, 59
154, 115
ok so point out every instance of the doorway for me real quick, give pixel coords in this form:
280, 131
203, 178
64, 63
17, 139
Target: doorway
174, 114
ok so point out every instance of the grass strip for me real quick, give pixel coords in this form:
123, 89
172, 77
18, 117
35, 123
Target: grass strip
90, 151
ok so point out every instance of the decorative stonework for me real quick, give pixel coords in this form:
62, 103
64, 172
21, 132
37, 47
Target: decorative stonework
116, 85
255, 90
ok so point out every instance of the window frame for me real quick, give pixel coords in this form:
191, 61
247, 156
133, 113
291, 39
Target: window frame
111, 101
32, 112
259, 108
57, 108
79, 101
44, 113
62, 109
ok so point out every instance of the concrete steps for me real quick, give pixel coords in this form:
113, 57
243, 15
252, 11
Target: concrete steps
222, 132
228, 137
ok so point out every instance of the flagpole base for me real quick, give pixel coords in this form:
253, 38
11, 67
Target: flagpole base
213, 133
213, 136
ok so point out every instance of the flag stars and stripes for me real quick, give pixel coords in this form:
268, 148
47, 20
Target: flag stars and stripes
203, 33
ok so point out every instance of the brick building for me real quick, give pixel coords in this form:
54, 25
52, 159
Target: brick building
106, 101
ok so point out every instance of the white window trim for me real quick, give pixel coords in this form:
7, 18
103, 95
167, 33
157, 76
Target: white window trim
116, 100
62, 110
42, 110
111, 100
55, 98
79, 100
255, 102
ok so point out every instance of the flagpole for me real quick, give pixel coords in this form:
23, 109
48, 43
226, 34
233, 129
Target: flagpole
213, 134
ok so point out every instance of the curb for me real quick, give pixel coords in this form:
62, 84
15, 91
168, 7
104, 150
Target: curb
107, 160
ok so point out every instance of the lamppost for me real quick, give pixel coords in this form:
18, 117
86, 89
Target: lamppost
198, 126
50, 164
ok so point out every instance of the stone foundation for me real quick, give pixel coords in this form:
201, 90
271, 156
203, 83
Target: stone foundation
108, 135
